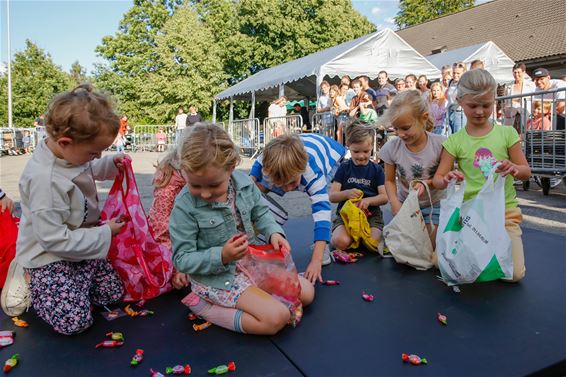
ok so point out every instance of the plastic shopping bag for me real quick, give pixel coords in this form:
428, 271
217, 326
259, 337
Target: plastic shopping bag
357, 225
9, 231
144, 265
275, 273
472, 244
406, 235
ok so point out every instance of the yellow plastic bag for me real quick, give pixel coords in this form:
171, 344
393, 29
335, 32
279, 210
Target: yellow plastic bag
357, 225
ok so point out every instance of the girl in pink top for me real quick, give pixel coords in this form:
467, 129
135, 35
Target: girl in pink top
437, 103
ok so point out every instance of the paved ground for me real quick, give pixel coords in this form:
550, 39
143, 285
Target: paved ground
546, 213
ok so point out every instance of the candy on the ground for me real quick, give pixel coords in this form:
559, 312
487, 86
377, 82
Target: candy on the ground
109, 344
221, 369
116, 336
178, 369
367, 296
192, 316
413, 359
201, 326
137, 358
11, 362
442, 318
156, 374
19, 322
231, 366
330, 282
6, 338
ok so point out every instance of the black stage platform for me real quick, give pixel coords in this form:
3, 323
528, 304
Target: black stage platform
494, 329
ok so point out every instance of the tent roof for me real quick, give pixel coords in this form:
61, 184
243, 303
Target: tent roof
382, 50
495, 60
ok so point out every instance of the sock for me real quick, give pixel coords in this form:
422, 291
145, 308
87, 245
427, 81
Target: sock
229, 318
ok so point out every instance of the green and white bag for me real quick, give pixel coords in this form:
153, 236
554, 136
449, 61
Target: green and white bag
472, 244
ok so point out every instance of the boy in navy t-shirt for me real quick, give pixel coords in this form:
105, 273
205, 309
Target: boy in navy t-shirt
354, 177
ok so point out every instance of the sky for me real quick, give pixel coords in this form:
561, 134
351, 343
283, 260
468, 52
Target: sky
70, 30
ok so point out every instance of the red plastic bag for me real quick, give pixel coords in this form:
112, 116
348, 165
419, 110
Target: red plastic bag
144, 265
275, 273
9, 231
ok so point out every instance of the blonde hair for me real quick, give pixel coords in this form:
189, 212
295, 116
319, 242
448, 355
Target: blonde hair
207, 144
476, 82
81, 114
545, 106
412, 101
441, 99
284, 159
167, 165
359, 132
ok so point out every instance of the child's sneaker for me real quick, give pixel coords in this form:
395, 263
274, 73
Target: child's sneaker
15, 294
326, 258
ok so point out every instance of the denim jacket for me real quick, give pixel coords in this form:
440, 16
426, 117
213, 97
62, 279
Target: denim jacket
200, 229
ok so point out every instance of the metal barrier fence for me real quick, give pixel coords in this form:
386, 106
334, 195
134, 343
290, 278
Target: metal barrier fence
14, 141
323, 123
247, 135
152, 137
286, 125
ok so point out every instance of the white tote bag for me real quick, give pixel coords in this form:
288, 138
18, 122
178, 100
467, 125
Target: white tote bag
472, 244
406, 235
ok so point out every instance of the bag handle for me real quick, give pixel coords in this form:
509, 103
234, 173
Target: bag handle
427, 189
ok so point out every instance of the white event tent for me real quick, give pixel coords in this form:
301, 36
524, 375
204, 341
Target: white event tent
367, 55
495, 60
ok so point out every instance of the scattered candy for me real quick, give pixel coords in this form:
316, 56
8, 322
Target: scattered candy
116, 336
145, 313
137, 358
343, 257
6, 338
111, 315
155, 374
140, 303
367, 296
442, 319
109, 344
192, 317
221, 369
133, 313
11, 362
413, 359
129, 311
202, 326
231, 366
178, 369
330, 282
19, 322
355, 254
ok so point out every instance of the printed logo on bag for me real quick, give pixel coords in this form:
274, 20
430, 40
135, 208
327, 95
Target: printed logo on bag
477, 232
484, 160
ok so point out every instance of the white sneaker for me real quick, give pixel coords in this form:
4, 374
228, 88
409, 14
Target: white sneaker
326, 257
15, 297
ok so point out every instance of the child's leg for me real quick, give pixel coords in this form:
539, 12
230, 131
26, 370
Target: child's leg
107, 287
513, 219
307, 291
375, 234
340, 238
229, 318
262, 314
60, 294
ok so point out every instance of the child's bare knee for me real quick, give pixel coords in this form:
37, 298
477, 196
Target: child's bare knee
340, 241
307, 292
277, 320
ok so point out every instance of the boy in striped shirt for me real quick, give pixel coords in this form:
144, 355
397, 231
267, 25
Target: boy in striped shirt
305, 163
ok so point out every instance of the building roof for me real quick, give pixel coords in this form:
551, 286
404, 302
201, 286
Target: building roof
523, 29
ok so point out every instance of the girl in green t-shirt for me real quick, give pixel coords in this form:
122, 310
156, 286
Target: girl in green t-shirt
479, 146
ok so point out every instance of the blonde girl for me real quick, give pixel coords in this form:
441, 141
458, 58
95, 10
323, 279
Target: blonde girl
340, 110
213, 221
478, 147
413, 155
437, 103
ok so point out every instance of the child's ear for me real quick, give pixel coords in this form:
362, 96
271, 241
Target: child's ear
424, 116
64, 141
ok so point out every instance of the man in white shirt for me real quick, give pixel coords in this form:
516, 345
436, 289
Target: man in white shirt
543, 82
180, 123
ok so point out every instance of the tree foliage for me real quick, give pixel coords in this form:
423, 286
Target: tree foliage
414, 12
78, 73
35, 80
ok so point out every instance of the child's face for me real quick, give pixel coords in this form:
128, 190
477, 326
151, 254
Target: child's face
210, 183
407, 127
357, 88
478, 109
325, 89
80, 153
361, 152
291, 185
436, 91
537, 112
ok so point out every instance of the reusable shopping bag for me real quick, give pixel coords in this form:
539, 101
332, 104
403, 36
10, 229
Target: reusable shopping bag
275, 273
144, 265
406, 235
357, 225
9, 230
472, 244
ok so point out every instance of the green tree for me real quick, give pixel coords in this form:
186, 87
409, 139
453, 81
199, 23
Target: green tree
78, 73
35, 80
414, 12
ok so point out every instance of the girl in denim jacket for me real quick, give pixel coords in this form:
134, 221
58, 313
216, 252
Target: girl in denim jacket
218, 204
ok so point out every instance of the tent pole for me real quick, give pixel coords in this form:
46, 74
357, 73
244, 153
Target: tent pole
281, 90
252, 111
214, 111
231, 115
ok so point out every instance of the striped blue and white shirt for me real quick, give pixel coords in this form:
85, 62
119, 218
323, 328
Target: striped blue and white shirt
324, 156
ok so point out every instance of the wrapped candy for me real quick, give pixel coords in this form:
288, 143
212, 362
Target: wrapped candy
442, 318
201, 326
116, 336
109, 344
6, 338
11, 362
330, 282
155, 374
221, 369
231, 366
137, 358
367, 297
19, 322
178, 369
413, 359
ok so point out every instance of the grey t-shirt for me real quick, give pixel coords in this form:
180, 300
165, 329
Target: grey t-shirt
409, 165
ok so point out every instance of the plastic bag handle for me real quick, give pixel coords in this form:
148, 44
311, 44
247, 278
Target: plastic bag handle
411, 186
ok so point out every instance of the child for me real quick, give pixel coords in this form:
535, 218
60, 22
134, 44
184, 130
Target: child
355, 176
437, 103
456, 119
304, 163
6, 203
218, 204
61, 243
26, 140
478, 147
161, 140
119, 143
168, 182
414, 154
367, 113
541, 114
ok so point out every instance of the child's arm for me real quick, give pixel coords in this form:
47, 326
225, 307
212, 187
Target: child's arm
106, 168
337, 196
391, 188
265, 223
444, 174
256, 174
517, 164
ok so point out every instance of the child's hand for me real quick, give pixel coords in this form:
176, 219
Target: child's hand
314, 271
363, 204
278, 242
180, 280
119, 160
454, 174
116, 225
354, 193
506, 167
6, 204
420, 187
235, 248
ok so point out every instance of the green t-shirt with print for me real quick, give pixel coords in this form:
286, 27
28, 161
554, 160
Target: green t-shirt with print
477, 155
369, 117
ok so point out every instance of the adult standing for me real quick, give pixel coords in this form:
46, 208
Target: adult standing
193, 116
514, 112
446, 76
456, 117
180, 123
411, 82
382, 91
543, 82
